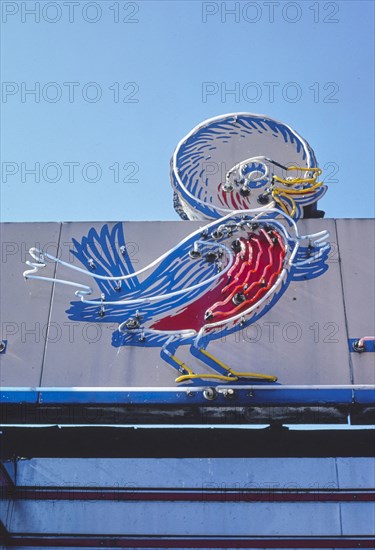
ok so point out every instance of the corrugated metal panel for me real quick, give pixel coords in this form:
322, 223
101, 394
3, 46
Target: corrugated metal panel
358, 473
90, 359
303, 339
24, 311
357, 252
197, 472
204, 517
357, 519
187, 518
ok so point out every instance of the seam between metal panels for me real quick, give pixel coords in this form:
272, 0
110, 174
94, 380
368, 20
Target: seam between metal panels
350, 362
339, 503
50, 308
73, 540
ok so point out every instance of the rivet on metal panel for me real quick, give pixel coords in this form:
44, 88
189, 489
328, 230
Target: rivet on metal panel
227, 187
217, 234
359, 345
195, 253
209, 394
118, 286
229, 393
132, 323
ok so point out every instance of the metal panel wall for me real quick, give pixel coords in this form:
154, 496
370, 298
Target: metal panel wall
302, 339
176, 499
356, 240
24, 311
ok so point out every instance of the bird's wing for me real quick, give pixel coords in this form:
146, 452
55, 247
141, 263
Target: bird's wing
106, 252
178, 271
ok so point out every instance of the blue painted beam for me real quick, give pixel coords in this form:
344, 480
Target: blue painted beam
218, 396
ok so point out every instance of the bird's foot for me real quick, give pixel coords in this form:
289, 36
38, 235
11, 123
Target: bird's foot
255, 376
230, 374
194, 376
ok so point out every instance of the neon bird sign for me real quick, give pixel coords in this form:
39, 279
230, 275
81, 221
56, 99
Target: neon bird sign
218, 279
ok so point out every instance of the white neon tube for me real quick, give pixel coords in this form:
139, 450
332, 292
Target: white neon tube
84, 290
177, 292
207, 123
40, 255
362, 341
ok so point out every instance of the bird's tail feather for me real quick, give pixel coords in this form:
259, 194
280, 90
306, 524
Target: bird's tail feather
313, 262
104, 253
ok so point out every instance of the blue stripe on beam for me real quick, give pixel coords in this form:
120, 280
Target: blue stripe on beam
265, 397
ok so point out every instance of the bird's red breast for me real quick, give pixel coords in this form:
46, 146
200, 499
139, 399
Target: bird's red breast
258, 263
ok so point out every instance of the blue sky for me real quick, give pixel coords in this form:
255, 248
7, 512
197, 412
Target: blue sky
118, 84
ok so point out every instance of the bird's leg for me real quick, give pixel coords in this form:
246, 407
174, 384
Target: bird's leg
219, 366
168, 354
